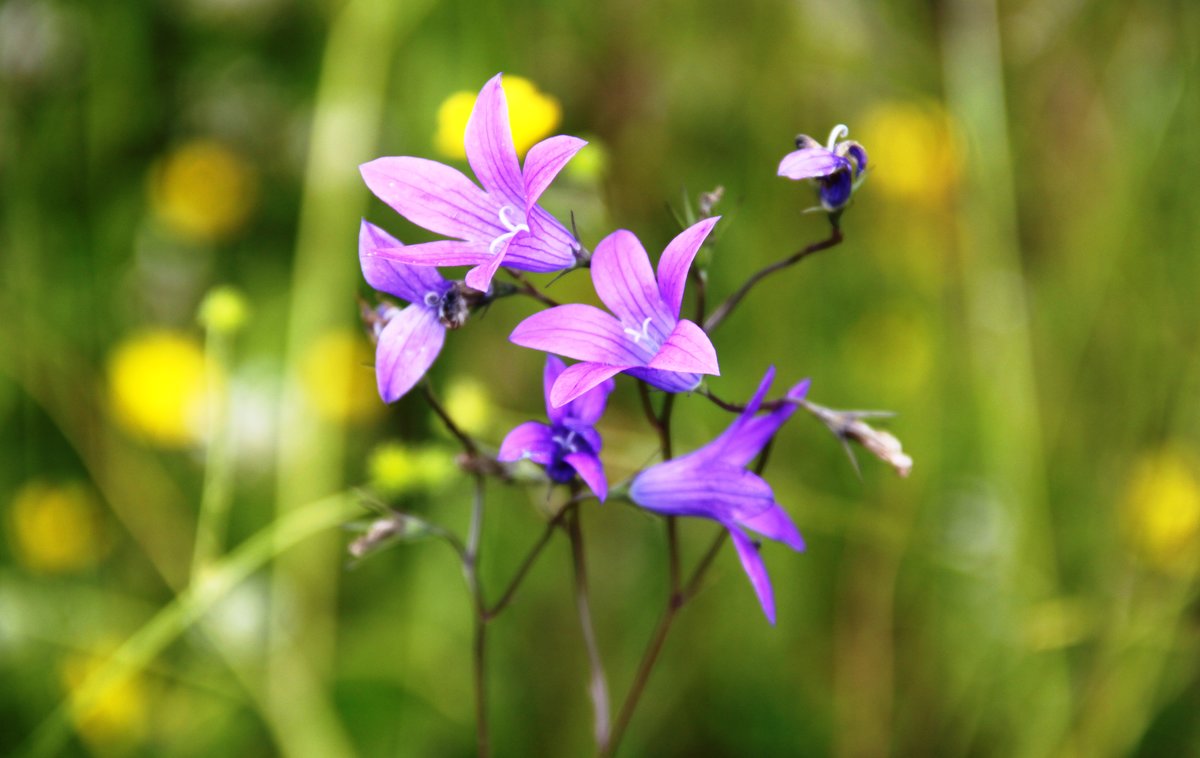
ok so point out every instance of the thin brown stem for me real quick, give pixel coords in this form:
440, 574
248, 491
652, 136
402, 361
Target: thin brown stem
724, 309
530, 558
465, 439
525, 287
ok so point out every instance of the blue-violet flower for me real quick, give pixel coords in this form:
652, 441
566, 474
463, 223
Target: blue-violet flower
712, 482
568, 445
407, 340
644, 336
837, 167
501, 224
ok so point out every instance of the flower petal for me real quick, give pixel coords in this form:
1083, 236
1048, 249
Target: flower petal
775, 524
544, 161
756, 570
489, 145
667, 381
677, 259
403, 280
580, 378
554, 367
836, 190
578, 331
746, 437
439, 253
480, 277
435, 196
533, 440
687, 350
591, 471
625, 283
407, 348
587, 409
691, 486
811, 162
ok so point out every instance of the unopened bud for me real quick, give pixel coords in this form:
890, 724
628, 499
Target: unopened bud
385, 531
849, 426
883, 445
707, 201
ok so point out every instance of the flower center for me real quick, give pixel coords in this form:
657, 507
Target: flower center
432, 299
840, 132
644, 334
567, 443
509, 225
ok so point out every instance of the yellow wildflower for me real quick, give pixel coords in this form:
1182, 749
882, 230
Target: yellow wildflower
396, 469
915, 151
532, 114
157, 387
118, 716
203, 191
337, 378
469, 406
1162, 506
56, 528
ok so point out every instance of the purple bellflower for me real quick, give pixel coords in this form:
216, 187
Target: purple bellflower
568, 445
407, 340
838, 167
644, 336
712, 482
501, 224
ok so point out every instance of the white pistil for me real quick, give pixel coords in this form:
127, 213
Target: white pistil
841, 131
643, 334
509, 225
432, 299
567, 442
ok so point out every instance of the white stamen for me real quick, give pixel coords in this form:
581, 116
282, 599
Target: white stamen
432, 299
840, 132
509, 225
643, 334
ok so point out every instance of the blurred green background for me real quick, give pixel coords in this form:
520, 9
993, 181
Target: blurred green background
1018, 283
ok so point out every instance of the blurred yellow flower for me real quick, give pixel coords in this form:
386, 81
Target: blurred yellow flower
337, 378
56, 528
533, 116
397, 469
224, 309
157, 387
468, 404
1162, 505
119, 716
915, 151
203, 191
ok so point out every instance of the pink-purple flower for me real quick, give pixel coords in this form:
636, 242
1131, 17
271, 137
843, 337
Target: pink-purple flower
643, 336
501, 224
837, 167
409, 339
712, 482
569, 444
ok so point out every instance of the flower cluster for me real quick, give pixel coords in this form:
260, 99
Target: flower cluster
499, 224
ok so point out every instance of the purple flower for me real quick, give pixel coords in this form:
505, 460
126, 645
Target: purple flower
645, 338
568, 445
408, 340
500, 224
838, 167
713, 483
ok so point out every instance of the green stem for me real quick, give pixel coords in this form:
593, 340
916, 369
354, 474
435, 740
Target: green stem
598, 687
